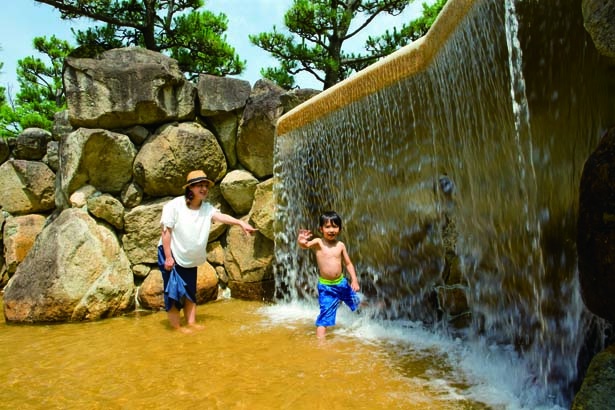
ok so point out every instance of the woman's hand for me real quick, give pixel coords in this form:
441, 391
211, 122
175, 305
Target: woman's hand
169, 263
247, 228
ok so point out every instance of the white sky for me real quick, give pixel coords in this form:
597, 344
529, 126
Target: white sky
22, 20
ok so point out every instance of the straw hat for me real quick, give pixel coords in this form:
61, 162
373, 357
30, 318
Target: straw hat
195, 177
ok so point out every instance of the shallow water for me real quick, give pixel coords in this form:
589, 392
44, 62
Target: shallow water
249, 356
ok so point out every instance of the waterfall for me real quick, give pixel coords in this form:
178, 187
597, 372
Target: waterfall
458, 183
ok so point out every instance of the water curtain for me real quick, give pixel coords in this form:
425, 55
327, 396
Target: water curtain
455, 165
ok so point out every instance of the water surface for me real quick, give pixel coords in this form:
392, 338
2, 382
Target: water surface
249, 356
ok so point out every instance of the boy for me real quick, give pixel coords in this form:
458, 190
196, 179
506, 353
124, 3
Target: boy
333, 287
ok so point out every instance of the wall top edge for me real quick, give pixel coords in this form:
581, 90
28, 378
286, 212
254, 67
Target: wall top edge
409, 60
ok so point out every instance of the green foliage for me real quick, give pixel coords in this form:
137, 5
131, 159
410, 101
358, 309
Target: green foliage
319, 29
41, 93
280, 76
38, 81
391, 41
175, 27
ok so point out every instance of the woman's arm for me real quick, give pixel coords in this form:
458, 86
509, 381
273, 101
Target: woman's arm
166, 247
229, 220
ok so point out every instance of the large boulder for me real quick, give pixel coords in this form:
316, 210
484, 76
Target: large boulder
249, 264
263, 208
596, 229
127, 86
31, 144
238, 188
142, 231
598, 388
171, 152
257, 128
599, 21
225, 126
75, 271
27, 187
97, 157
221, 94
107, 208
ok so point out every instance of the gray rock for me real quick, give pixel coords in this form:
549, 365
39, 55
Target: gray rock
75, 271
125, 87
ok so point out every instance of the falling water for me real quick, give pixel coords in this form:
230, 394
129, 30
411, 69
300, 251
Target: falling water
458, 187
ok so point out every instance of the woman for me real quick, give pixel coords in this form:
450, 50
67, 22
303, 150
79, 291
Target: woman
186, 221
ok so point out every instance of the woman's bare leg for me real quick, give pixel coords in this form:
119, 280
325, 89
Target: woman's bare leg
190, 315
173, 315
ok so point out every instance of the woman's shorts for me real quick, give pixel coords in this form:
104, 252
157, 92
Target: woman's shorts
187, 274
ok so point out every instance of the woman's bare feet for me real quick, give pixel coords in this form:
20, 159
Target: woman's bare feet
196, 326
184, 330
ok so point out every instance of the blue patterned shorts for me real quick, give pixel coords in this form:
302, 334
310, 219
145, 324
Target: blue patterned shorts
330, 297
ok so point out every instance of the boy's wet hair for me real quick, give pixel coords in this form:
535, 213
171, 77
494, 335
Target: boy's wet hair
332, 216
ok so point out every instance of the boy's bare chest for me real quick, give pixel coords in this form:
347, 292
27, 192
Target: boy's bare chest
333, 252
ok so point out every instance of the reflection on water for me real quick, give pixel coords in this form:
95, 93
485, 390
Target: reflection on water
243, 360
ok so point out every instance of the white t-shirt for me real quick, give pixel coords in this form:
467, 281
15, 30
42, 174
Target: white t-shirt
190, 230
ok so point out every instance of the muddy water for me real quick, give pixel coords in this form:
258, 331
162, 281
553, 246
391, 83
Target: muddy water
241, 360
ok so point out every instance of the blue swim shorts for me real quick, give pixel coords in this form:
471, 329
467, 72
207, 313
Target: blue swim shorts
330, 296
187, 274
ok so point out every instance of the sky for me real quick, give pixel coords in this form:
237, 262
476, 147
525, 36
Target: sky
22, 20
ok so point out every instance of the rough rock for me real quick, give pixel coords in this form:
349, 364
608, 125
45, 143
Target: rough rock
215, 253
131, 195
79, 198
52, 156
249, 264
255, 137
221, 94
31, 144
598, 18
596, 229
171, 152
263, 208
238, 189
107, 208
19, 234
27, 187
97, 157
142, 231
125, 87
61, 126
75, 271
224, 127
5, 151
598, 388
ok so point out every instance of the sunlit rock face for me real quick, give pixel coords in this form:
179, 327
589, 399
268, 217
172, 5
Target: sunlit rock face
75, 271
111, 90
489, 101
